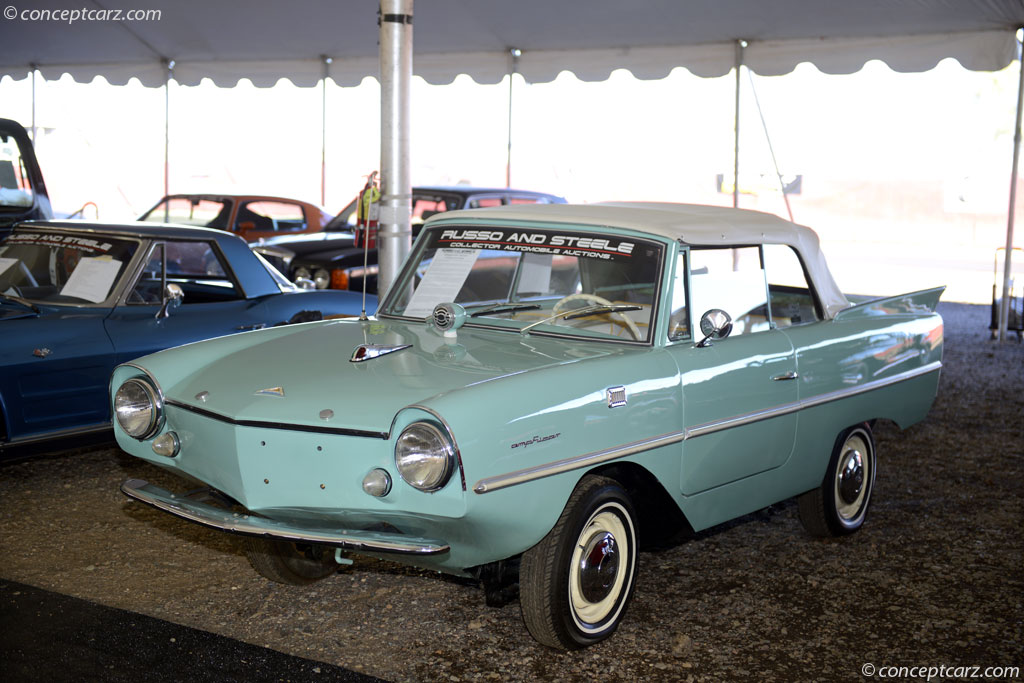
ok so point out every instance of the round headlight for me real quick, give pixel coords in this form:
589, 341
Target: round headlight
137, 409
302, 273
322, 278
424, 456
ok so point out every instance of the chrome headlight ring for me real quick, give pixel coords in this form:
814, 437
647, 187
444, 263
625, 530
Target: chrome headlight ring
425, 456
138, 408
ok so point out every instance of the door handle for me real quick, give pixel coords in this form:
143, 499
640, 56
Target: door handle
785, 376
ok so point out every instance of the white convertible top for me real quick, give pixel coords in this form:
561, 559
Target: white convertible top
693, 224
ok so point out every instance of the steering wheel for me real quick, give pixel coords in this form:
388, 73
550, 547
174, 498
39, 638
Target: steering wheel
633, 329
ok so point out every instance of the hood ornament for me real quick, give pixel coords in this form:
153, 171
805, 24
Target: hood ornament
371, 351
202, 396
272, 391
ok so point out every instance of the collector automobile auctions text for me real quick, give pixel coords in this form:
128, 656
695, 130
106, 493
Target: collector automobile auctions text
537, 242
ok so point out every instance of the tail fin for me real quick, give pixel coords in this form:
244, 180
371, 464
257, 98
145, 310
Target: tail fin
912, 303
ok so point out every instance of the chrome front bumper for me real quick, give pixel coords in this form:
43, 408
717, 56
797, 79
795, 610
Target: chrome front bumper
251, 525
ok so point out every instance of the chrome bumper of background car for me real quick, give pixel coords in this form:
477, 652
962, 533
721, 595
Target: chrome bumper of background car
251, 525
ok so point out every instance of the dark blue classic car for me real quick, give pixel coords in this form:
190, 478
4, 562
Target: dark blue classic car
78, 298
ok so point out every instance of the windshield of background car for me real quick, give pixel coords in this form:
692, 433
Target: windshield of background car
423, 207
15, 182
210, 213
572, 283
56, 268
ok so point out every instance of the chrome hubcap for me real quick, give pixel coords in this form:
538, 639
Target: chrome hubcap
598, 567
851, 476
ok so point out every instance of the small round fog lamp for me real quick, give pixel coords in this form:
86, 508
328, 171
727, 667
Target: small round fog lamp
167, 445
377, 483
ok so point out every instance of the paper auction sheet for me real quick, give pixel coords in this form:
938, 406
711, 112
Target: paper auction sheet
442, 281
6, 263
91, 279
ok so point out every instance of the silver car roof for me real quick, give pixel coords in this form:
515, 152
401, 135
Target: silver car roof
692, 224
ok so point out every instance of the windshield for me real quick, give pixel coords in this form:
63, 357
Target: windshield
61, 268
201, 211
424, 206
566, 282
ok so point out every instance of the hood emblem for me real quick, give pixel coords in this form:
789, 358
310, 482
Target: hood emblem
41, 353
202, 396
272, 391
371, 351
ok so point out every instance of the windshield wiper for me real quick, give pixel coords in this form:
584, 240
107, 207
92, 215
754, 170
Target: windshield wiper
582, 313
18, 300
504, 308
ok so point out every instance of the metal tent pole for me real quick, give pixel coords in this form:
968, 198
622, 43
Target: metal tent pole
740, 46
34, 69
514, 54
1004, 307
169, 64
323, 131
394, 239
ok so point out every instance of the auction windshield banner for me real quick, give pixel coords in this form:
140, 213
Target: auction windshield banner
535, 241
52, 240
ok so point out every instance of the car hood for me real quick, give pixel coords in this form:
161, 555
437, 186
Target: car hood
299, 373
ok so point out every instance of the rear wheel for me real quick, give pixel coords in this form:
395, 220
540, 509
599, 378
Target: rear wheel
575, 584
840, 505
296, 564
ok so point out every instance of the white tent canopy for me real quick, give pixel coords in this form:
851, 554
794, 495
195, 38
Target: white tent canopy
232, 39
307, 40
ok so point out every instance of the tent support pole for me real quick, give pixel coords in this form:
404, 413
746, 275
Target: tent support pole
323, 131
514, 54
34, 69
740, 45
1004, 307
394, 239
168, 75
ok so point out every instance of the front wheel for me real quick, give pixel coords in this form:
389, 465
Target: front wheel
575, 584
295, 564
838, 507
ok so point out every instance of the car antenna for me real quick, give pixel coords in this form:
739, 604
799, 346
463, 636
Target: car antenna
367, 210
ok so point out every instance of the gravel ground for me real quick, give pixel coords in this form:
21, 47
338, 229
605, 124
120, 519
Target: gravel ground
934, 578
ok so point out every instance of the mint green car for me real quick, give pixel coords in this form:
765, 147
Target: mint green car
544, 390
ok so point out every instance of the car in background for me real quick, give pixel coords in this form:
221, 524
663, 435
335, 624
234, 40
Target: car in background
330, 258
251, 217
22, 190
78, 298
543, 390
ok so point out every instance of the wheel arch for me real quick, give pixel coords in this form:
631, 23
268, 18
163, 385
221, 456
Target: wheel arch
661, 522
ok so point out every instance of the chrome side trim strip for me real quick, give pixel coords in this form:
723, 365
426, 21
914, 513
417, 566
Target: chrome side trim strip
249, 525
530, 473
501, 481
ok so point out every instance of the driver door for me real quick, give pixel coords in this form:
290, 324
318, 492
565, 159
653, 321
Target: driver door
734, 391
213, 304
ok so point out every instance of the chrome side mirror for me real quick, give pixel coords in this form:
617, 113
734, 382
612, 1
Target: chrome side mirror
173, 296
714, 325
305, 283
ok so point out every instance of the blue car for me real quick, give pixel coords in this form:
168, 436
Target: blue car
78, 298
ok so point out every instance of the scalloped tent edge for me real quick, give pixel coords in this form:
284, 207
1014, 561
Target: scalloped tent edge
990, 50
